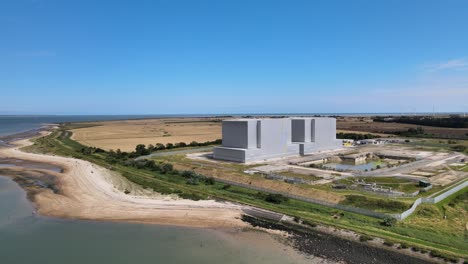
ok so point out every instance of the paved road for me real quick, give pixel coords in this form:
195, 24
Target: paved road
405, 168
174, 152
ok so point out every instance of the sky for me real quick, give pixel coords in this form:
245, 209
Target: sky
233, 56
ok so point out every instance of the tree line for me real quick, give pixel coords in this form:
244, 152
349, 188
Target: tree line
355, 136
453, 121
142, 149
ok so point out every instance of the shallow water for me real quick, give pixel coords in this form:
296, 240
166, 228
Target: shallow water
29, 164
16, 124
355, 167
28, 238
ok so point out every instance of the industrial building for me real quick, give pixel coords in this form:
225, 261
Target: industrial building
246, 140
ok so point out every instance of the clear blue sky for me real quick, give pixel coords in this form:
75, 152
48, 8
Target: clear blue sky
196, 56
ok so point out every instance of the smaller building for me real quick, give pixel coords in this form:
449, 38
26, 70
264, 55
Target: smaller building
348, 142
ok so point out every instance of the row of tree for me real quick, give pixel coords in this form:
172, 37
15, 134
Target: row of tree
141, 149
453, 121
355, 136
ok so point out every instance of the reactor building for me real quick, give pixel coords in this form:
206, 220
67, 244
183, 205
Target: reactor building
246, 140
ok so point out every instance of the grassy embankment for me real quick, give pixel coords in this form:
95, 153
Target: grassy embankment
422, 236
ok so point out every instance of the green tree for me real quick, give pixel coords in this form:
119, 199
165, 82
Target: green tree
160, 146
167, 168
140, 149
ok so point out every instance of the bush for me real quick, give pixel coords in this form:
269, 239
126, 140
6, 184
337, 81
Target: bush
166, 168
275, 198
188, 174
388, 243
226, 186
365, 238
191, 196
308, 223
437, 254
403, 245
389, 221
210, 181
459, 148
193, 181
374, 203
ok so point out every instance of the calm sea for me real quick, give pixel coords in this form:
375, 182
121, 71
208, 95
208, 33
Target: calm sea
27, 238
15, 124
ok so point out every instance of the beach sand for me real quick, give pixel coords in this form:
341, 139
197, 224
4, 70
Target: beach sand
91, 192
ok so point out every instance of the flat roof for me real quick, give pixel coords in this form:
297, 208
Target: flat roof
272, 118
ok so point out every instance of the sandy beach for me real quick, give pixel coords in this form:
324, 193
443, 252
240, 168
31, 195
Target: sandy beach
91, 192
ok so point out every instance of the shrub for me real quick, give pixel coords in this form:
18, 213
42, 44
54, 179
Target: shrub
166, 168
210, 181
193, 181
188, 174
374, 203
308, 223
459, 148
389, 221
388, 243
437, 254
365, 238
403, 245
191, 196
226, 186
275, 198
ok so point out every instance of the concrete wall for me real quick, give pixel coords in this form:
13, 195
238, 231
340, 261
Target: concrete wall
275, 135
258, 139
239, 134
235, 134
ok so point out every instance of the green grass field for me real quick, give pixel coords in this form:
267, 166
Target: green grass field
426, 229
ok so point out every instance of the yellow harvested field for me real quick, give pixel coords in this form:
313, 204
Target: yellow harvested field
126, 134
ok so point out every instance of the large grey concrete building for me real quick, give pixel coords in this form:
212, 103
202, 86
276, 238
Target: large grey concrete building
246, 140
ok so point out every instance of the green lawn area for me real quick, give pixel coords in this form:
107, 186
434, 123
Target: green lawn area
428, 221
417, 230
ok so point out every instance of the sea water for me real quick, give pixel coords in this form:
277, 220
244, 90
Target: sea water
28, 238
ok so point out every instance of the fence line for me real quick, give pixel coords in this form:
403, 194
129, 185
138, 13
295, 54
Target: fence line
352, 209
307, 199
432, 200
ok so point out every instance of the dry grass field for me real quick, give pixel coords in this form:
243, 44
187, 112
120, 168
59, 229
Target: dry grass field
365, 124
126, 134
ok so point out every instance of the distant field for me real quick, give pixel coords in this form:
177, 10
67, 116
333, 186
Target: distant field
365, 124
127, 134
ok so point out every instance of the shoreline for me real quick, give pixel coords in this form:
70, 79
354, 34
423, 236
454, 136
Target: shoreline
89, 192
93, 193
